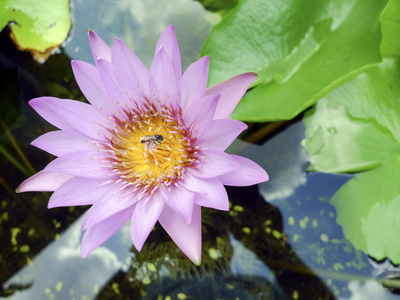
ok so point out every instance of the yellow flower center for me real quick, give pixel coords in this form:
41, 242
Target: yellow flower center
150, 146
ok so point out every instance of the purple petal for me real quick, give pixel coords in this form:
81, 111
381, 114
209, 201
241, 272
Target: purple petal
81, 163
143, 220
186, 236
114, 83
200, 114
231, 90
193, 83
130, 66
111, 202
61, 142
78, 191
220, 134
89, 81
216, 197
180, 200
43, 181
100, 49
49, 113
162, 80
168, 41
98, 234
249, 173
214, 163
77, 115
192, 184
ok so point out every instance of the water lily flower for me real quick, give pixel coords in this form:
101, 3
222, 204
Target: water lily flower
149, 146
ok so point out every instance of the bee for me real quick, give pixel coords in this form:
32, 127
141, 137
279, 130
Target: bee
152, 139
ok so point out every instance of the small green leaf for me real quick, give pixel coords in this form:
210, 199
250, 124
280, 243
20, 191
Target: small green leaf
221, 6
36, 25
301, 50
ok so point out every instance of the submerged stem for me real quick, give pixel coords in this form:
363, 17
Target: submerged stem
18, 150
14, 161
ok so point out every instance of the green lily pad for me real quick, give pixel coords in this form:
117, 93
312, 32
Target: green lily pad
338, 143
367, 208
301, 50
38, 26
357, 128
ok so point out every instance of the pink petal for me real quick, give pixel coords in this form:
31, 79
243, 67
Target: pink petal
113, 84
193, 83
130, 66
49, 113
192, 184
162, 80
111, 202
81, 163
249, 173
143, 220
180, 200
214, 163
89, 81
216, 197
200, 114
168, 41
78, 191
100, 49
186, 236
220, 134
231, 90
78, 115
98, 234
61, 142
43, 182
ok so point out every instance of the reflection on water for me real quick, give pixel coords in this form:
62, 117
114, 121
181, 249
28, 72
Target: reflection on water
60, 270
139, 24
370, 289
286, 161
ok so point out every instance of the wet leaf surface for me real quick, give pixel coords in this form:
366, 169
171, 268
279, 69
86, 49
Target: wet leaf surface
299, 55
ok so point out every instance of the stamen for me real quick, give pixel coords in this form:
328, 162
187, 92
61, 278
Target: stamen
141, 165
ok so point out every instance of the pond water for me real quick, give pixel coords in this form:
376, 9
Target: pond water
280, 239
